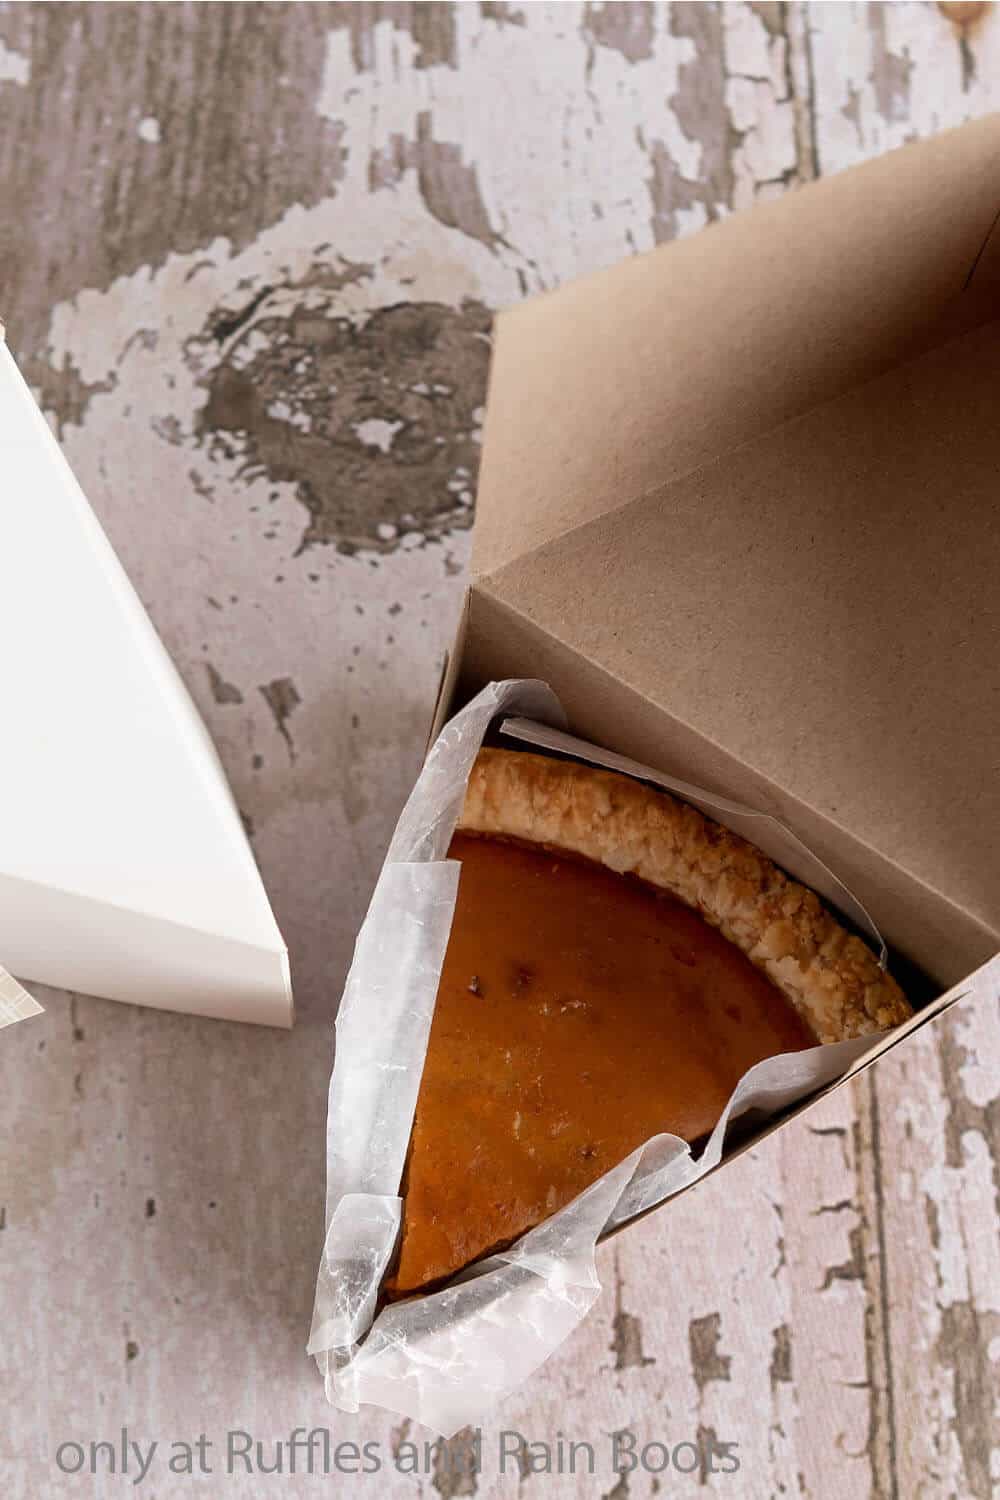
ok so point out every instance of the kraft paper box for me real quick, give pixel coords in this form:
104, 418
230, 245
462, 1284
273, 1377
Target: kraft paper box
739, 506
124, 868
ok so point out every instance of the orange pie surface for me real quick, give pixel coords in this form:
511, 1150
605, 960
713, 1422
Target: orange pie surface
579, 1012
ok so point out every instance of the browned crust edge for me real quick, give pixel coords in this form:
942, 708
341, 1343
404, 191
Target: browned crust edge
829, 975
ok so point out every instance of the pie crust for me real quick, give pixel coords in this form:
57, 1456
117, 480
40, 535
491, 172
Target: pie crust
828, 974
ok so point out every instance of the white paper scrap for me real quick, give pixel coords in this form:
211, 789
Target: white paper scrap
15, 1003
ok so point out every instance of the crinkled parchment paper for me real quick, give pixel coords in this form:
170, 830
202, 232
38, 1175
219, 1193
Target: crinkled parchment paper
445, 1358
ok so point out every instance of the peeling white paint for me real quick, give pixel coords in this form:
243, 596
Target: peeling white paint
980, 1076
376, 432
14, 66
846, 57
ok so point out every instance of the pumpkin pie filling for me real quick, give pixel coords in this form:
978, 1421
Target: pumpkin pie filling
580, 1011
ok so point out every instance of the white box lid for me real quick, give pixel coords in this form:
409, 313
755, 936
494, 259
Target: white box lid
125, 871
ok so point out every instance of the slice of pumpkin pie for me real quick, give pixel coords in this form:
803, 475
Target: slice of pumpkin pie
616, 962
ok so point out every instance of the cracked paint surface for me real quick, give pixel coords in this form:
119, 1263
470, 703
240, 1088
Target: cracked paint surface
251, 275
376, 424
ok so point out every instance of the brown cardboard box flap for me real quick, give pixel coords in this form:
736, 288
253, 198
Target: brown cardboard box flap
749, 486
633, 376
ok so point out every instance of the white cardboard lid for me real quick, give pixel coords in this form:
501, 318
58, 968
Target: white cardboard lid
125, 871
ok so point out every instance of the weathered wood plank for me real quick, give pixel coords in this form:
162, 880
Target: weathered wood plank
249, 253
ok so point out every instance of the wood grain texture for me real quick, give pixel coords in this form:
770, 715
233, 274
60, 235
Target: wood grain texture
248, 257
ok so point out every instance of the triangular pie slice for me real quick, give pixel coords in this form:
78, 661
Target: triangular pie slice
616, 962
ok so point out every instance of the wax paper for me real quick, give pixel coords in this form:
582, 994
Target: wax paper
445, 1358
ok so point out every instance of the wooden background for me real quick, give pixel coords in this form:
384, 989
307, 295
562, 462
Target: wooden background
248, 256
